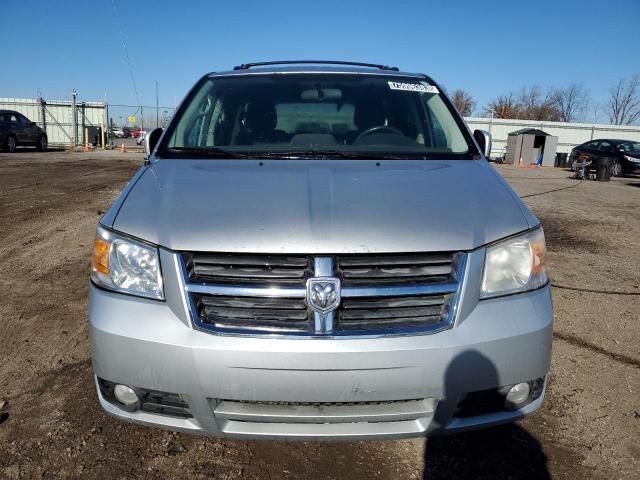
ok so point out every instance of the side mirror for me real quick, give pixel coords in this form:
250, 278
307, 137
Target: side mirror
484, 141
151, 140
33, 124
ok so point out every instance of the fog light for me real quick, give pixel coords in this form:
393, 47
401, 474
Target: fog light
517, 396
125, 395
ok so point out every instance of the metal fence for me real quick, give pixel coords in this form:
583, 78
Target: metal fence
569, 134
74, 122
63, 127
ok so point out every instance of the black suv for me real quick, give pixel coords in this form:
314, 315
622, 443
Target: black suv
17, 130
622, 155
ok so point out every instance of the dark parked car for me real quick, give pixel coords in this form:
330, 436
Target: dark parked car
624, 155
17, 130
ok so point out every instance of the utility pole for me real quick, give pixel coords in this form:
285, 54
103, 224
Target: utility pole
74, 120
157, 110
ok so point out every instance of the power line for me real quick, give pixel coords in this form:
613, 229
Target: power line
126, 52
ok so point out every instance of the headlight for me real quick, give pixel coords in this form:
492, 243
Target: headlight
125, 265
515, 265
632, 159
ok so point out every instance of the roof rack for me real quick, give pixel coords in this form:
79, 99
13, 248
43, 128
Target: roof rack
246, 66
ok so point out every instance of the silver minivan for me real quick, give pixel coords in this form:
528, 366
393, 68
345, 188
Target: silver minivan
319, 250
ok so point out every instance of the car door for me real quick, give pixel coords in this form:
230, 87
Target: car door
18, 128
32, 132
4, 125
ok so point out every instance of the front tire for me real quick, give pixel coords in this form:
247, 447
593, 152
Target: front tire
42, 144
616, 168
11, 144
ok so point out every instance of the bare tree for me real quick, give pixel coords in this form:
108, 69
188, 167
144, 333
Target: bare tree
571, 101
528, 104
624, 101
533, 105
464, 102
503, 106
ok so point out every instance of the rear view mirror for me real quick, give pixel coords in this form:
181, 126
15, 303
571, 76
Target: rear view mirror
319, 94
483, 138
151, 140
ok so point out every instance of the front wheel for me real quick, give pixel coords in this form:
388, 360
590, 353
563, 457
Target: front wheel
11, 144
616, 168
41, 146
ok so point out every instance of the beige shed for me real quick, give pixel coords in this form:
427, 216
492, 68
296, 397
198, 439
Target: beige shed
526, 144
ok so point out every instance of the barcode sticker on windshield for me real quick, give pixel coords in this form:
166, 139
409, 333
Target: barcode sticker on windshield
412, 87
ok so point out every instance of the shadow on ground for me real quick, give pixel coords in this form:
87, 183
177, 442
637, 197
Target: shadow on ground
501, 452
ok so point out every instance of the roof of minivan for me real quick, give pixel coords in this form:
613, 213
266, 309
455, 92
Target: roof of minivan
316, 69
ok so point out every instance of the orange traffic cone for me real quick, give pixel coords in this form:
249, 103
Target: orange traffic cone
521, 163
122, 149
86, 147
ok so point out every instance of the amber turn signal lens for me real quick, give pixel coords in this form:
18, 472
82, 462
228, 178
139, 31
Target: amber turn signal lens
539, 252
100, 259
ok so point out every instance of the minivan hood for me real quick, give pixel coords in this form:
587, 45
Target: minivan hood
321, 206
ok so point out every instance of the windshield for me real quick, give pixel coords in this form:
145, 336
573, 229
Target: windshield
297, 115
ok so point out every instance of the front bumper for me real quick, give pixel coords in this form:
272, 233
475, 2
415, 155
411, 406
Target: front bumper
321, 388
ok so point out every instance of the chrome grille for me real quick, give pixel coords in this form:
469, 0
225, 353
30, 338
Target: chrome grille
227, 268
381, 294
236, 313
397, 269
365, 313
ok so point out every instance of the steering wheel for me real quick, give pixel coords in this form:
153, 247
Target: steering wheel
378, 129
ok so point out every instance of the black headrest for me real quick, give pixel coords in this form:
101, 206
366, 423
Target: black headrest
261, 116
368, 115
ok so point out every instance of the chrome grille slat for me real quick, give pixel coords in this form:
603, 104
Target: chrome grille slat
242, 268
246, 272
379, 324
253, 302
264, 326
391, 302
390, 313
255, 260
255, 313
381, 294
384, 259
393, 272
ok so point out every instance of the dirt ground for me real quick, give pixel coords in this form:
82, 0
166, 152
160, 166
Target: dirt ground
52, 426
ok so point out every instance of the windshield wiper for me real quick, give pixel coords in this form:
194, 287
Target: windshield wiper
212, 152
326, 154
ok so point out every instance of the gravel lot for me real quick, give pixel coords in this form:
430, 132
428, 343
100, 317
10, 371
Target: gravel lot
52, 426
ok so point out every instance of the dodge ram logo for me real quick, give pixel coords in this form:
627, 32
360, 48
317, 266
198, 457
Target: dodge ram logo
323, 294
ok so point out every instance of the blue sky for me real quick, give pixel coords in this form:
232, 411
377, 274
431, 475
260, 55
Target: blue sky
487, 48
